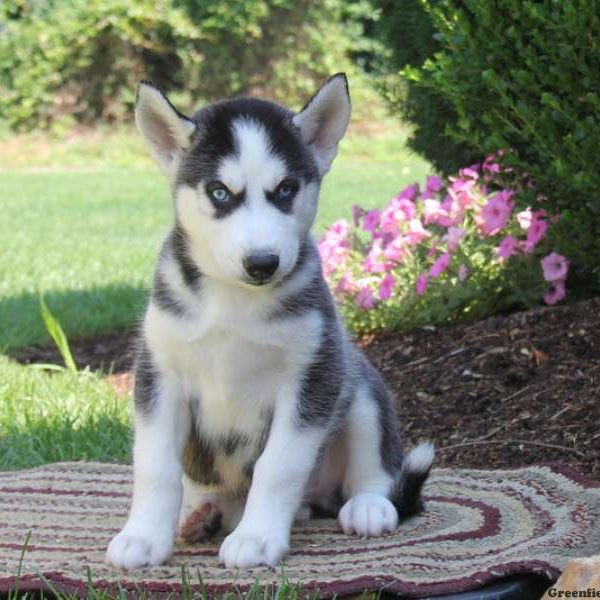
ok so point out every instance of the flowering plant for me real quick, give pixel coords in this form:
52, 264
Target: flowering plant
455, 248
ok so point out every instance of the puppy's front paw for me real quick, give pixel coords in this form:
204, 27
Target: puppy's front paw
130, 551
241, 550
368, 515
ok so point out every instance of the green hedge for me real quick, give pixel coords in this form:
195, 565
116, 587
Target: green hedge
82, 58
522, 76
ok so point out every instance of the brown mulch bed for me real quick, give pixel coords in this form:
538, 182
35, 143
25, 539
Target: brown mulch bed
503, 392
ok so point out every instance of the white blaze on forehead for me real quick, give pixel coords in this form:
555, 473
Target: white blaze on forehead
254, 165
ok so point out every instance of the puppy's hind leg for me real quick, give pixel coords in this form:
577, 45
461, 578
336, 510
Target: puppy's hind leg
374, 481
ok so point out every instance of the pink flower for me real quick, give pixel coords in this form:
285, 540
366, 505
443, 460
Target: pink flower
409, 193
364, 298
395, 250
555, 293
432, 211
339, 229
416, 233
555, 267
490, 165
346, 285
371, 220
463, 272
398, 211
496, 212
434, 184
470, 172
440, 265
373, 262
535, 233
524, 218
386, 286
454, 236
421, 284
508, 247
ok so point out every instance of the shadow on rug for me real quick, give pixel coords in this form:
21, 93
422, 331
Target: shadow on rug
478, 526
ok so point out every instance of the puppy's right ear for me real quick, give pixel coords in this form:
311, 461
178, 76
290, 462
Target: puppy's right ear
165, 130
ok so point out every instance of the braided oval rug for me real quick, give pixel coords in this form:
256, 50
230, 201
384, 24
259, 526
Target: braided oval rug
478, 526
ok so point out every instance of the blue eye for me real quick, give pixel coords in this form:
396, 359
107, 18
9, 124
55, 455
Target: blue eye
218, 193
286, 190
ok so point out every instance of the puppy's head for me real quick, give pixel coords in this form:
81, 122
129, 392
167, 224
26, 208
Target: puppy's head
245, 175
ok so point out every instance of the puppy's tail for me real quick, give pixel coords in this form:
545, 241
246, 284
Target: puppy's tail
413, 474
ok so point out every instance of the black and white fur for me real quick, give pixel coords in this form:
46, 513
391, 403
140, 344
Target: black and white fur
251, 404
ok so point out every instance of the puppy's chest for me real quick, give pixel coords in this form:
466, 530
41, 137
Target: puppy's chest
234, 382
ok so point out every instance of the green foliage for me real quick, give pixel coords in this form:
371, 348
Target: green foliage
521, 76
58, 335
410, 37
80, 60
83, 58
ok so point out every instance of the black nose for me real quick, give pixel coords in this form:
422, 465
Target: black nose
261, 267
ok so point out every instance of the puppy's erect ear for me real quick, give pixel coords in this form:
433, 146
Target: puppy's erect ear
165, 130
324, 120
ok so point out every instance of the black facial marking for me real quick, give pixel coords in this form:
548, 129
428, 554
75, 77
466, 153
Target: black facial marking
226, 207
179, 243
283, 195
145, 390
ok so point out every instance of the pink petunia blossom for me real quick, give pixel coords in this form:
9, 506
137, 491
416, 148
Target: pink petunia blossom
463, 272
397, 212
346, 285
421, 284
364, 298
470, 172
386, 286
339, 229
373, 262
555, 293
555, 267
409, 192
440, 265
508, 247
524, 218
434, 184
432, 211
395, 250
416, 233
496, 212
535, 234
371, 220
454, 236
490, 165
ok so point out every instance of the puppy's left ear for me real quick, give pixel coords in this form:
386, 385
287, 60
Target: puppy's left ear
165, 130
324, 120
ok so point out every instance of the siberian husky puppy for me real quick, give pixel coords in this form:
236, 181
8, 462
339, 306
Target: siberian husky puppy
252, 406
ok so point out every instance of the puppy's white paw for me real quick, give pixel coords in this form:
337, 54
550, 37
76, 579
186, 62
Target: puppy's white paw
130, 551
241, 550
368, 515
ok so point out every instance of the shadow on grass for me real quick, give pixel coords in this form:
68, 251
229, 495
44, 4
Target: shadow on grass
80, 312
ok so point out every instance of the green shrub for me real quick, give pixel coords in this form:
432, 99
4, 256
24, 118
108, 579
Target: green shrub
410, 38
82, 59
523, 76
